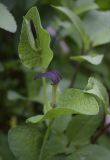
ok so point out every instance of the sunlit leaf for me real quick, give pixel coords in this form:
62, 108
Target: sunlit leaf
93, 59
53, 113
71, 101
34, 47
78, 101
96, 88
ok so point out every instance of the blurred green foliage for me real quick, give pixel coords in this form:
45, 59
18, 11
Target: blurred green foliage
21, 96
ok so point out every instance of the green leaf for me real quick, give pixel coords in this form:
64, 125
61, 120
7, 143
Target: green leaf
25, 141
30, 34
53, 113
12, 95
93, 59
47, 107
104, 5
84, 7
71, 101
5, 153
60, 124
81, 128
84, 1
30, 3
104, 141
34, 52
60, 141
97, 89
33, 86
97, 25
78, 101
7, 21
90, 152
77, 24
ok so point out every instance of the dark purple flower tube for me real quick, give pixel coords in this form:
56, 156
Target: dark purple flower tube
54, 76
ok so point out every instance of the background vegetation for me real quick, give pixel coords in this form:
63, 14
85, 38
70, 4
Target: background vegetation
20, 94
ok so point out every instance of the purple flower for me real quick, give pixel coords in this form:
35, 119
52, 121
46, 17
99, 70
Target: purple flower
54, 76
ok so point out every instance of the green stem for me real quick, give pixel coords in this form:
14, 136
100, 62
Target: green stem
45, 92
54, 92
45, 140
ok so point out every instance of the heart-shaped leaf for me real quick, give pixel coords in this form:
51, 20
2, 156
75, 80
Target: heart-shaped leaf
78, 101
71, 101
34, 46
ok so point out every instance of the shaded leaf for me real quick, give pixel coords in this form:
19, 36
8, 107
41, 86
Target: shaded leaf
7, 21
104, 5
60, 124
84, 7
97, 25
77, 24
55, 145
104, 141
25, 141
5, 153
30, 3
69, 30
90, 152
81, 128
12, 95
